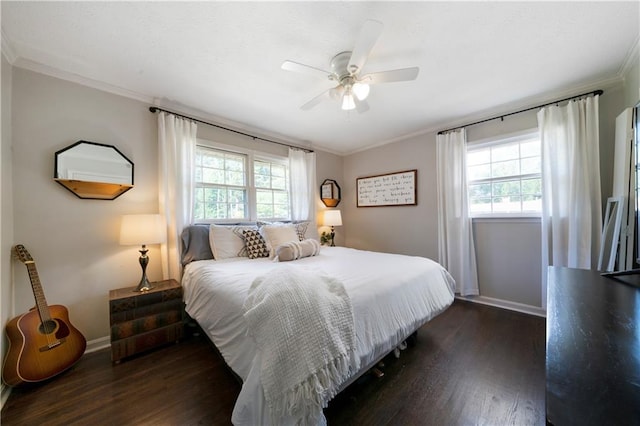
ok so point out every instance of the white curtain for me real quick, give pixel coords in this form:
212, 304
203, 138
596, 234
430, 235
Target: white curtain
571, 199
176, 155
302, 169
455, 233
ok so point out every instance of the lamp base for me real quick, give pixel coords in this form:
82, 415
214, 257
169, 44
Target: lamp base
144, 285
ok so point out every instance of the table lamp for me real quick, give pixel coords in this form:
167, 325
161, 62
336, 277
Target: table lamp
332, 218
143, 229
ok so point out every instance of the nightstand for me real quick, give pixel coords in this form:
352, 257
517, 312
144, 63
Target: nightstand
145, 320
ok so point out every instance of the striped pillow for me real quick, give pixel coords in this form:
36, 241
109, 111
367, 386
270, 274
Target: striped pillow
297, 249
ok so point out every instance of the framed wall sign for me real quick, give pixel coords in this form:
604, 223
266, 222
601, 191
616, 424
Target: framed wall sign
391, 189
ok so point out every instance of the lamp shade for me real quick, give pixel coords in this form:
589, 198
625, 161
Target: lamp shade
139, 229
332, 218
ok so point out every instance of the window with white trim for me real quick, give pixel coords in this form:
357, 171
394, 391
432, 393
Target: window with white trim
240, 186
504, 177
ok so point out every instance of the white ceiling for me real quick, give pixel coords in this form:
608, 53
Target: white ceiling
222, 59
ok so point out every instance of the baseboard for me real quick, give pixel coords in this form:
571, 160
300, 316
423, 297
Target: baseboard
5, 391
506, 304
92, 346
98, 344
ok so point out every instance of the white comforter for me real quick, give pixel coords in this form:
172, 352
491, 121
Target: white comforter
392, 295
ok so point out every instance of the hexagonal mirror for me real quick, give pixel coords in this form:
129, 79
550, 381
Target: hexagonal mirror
93, 170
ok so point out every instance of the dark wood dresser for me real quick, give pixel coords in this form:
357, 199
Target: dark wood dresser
145, 320
593, 349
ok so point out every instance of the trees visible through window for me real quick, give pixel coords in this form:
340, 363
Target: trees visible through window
504, 177
238, 186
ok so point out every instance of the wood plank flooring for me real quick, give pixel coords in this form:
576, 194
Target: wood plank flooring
473, 364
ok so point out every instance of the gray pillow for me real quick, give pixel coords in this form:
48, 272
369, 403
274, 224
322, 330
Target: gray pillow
195, 243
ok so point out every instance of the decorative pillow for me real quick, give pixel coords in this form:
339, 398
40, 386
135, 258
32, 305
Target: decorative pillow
297, 250
304, 228
276, 235
255, 244
195, 244
227, 241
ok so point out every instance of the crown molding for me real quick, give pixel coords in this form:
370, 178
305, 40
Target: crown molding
632, 57
7, 48
152, 101
529, 102
40, 68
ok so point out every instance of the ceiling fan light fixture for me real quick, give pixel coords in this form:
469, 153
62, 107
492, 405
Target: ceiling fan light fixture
361, 90
347, 102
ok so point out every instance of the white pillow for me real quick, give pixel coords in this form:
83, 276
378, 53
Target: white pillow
227, 241
277, 235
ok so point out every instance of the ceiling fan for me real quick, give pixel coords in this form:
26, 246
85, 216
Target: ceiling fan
353, 88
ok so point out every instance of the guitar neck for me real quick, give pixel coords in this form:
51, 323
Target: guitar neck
38, 293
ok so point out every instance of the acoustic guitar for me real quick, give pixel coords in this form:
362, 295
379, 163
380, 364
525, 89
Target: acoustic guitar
42, 342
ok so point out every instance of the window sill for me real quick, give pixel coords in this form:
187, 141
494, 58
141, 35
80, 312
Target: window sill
506, 218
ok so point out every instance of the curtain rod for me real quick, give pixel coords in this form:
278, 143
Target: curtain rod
154, 109
501, 117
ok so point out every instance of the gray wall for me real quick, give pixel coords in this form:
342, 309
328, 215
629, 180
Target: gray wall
74, 241
508, 250
6, 204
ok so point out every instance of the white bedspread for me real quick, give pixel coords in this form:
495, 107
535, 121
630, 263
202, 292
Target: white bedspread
391, 295
302, 324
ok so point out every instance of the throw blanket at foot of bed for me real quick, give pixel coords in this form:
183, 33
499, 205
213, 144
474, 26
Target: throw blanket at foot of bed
303, 325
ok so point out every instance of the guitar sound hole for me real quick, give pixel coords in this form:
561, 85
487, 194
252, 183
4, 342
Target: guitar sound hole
48, 327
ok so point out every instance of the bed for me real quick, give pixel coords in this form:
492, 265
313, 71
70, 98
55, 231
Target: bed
390, 295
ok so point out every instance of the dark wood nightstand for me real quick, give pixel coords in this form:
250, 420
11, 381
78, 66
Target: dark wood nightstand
145, 320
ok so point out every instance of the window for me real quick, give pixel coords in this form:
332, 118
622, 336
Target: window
504, 176
235, 186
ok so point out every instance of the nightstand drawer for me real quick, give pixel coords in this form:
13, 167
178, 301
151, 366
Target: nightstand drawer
142, 342
122, 330
144, 320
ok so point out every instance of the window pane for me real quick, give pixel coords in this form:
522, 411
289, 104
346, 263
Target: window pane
531, 203
278, 170
480, 205
506, 204
530, 149
505, 168
532, 186
222, 186
213, 176
281, 198
234, 163
280, 211
478, 156
279, 183
505, 152
511, 187
265, 211
481, 190
264, 197
495, 181
235, 178
479, 172
530, 165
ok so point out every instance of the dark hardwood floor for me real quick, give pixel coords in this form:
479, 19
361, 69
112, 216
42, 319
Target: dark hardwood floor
473, 364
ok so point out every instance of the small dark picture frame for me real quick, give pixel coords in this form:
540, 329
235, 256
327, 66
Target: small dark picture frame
330, 193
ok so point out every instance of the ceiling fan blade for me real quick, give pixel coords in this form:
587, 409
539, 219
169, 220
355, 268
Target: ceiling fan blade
403, 74
367, 38
361, 106
306, 69
315, 101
